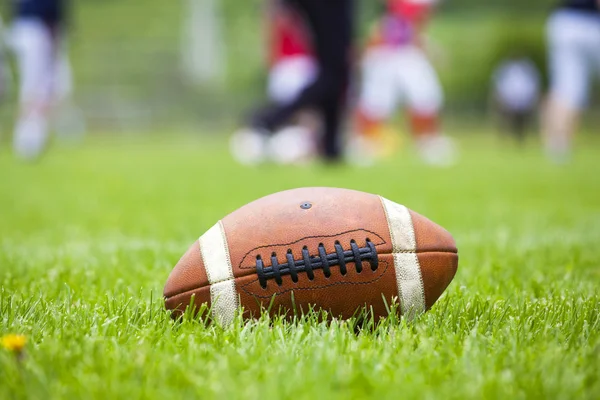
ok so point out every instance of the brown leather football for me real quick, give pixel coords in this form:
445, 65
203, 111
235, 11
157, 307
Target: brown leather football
333, 249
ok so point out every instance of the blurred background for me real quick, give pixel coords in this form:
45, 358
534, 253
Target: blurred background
199, 65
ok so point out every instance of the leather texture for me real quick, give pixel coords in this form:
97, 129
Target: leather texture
437, 269
335, 215
437, 254
188, 274
282, 222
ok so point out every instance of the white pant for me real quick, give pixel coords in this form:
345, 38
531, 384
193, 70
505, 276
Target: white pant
289, 77
394, 75
574, 42
44, 70
4, 76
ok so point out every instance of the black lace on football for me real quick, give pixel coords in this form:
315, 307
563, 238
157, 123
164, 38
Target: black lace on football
323, 261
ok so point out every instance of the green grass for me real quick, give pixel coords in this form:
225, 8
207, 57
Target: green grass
88, 237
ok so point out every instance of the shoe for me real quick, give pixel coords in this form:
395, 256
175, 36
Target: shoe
292, 145
249, 146
30, 138
361, 151
438, 151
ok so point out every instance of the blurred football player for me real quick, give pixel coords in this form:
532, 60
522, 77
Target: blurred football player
292, 69
4, 70
330, 31
395, 70
37, 37
292, 63
516, 92
573, 34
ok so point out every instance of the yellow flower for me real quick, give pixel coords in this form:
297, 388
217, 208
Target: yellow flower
14, 343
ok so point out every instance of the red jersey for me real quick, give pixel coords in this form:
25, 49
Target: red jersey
402, 23
289, 36
415, 11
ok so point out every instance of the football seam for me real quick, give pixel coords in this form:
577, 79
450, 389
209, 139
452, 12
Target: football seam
304, 238
358, 283
186, 292
316, 287
288, 290
449, 251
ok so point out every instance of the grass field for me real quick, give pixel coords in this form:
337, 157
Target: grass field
89, 235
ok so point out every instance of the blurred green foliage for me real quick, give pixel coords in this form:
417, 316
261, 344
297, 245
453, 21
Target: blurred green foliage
469, 39
511, 6
472, 46
127, 53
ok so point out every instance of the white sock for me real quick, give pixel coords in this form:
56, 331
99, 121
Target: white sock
437, 150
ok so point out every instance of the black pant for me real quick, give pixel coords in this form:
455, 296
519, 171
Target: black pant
331, 26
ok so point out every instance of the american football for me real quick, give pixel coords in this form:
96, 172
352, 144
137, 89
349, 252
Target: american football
329, 249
